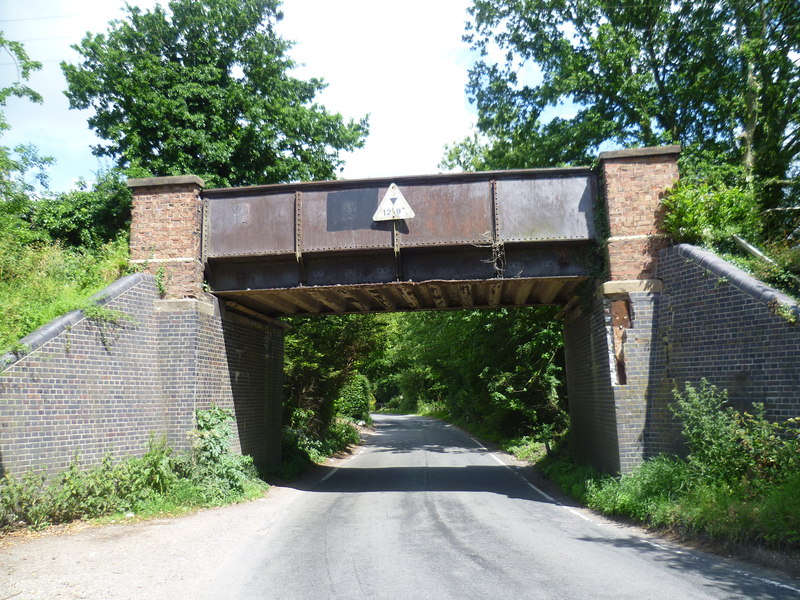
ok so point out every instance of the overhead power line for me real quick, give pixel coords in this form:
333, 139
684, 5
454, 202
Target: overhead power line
44, 18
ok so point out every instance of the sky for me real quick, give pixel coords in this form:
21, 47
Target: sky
403, 63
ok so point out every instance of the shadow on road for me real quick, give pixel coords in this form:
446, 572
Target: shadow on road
414, 437
721, 576
471, 478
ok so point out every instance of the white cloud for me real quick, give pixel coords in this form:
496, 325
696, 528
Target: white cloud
47, 29
403, 63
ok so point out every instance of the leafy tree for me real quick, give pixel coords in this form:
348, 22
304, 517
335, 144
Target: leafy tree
717, 74
87, 217
711, 203
506, 374
14, 165
323, 354
203, 87
24, 67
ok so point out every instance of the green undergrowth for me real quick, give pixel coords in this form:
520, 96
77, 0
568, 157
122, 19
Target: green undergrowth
783, 276
42, 281
302, 449
716, 201
739, 483
160, 482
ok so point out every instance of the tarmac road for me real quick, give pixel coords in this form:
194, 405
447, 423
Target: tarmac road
424, 511
420, 511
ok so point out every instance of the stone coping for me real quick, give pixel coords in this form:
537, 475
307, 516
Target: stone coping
639, 152
736, 277
45, 333
630, 286
184, 180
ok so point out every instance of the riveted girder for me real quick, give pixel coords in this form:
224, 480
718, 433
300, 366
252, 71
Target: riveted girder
505, 238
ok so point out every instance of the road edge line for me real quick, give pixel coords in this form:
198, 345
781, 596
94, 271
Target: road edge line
542, 493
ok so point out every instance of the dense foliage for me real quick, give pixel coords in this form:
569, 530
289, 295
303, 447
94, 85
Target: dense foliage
719, 75
89, 216
356, 400
324, 390
498, 371
203, 87
56, 250
159, 481
715, 202
500, 368
740, 480
40, 282
711, 202
18, 89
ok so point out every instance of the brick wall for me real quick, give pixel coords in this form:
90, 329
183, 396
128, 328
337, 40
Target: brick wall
634, 183
705, 319
93, 388
590, 398
719, 323
166, 232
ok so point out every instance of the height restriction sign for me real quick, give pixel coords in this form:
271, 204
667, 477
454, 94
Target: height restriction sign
393, 207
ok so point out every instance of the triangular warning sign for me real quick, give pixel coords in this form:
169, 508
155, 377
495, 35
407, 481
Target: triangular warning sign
393, 206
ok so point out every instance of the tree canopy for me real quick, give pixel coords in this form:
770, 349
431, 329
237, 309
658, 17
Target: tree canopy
24, 67
723, 75
13, 188
204, 87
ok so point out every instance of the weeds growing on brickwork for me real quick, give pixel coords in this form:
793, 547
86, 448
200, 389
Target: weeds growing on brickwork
107, 320
162, 281
158, 482
739, 483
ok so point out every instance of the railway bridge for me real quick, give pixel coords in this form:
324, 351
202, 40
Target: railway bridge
468, 240
220, 267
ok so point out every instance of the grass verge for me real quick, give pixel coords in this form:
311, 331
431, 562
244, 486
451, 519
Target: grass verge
158, 483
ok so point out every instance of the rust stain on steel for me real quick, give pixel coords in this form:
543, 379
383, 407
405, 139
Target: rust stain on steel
328, 299
354, 297
494, 296
439, 300
299, 298
521, 292
465, 293
272, 301
448, 214
254, 225
537, 210
381, 298
454, 209
548, 290
407, 293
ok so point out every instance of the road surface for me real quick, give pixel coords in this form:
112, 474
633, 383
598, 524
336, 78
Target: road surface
424, 511
421, 511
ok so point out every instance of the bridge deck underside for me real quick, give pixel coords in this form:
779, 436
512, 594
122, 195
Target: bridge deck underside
404, 296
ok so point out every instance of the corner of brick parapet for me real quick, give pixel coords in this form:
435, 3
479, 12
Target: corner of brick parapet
634, 184
166, 232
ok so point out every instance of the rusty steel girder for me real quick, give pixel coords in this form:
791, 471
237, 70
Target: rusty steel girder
510, 225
